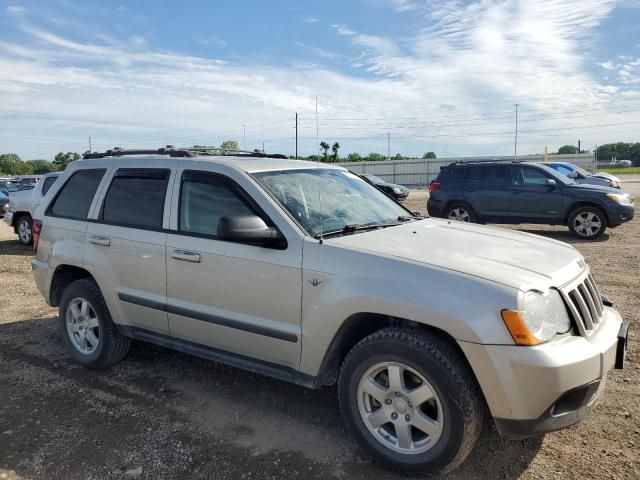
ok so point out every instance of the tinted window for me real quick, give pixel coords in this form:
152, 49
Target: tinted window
47, 184
206, 198
478, 174
74, 199
529, 176
497, 175
458, 174
136, 198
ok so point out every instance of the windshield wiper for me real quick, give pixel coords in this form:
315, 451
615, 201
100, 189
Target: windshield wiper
350, 228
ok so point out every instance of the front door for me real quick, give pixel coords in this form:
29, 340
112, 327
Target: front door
236, 297
532, 199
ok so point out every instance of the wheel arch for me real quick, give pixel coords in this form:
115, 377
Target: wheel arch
585, 203
360, 325
17, 216
464, 202
62, 277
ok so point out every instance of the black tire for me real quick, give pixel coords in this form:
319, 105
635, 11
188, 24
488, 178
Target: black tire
587, 231
444, 367
112, 346
461, 208
24, 229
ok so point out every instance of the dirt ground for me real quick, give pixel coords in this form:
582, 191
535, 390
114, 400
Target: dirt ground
163, 414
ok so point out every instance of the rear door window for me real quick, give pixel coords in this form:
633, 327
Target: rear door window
136, 198
47, 184
75, 197
529, 176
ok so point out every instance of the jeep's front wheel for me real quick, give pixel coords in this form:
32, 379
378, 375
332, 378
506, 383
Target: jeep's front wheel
411, 400
86, 326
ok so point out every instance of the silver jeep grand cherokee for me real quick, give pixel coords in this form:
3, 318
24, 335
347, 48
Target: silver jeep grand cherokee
309, 274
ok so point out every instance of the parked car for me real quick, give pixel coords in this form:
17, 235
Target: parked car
580, 175
28, 179
309, 274
399, 192
521, 192
4, 201
22, 205
616, 164
7, 187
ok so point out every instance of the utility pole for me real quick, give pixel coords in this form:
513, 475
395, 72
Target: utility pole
515, 145
578, 147
388, 146
262, 147
90, 150
296, 135
244, 136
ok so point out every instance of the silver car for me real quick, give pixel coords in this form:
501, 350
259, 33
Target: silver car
308, 273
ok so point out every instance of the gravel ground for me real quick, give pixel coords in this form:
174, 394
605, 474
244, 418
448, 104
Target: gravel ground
163, 414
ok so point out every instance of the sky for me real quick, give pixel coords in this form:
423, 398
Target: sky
414, 76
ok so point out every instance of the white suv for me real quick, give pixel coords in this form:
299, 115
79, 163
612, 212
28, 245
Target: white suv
23, 204
309, 274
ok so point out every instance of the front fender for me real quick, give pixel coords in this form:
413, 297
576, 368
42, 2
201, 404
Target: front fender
338, 284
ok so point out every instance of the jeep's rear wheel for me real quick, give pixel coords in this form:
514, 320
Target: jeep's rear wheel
460, 212
411, 400
587, 223
86, 326
25, 230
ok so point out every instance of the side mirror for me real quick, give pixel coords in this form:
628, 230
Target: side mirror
248, 229
573, 175
550, 183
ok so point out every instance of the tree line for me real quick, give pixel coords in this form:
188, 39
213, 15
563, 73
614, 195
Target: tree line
619, 150
12, 164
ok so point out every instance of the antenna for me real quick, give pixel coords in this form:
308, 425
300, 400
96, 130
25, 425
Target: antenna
318, 167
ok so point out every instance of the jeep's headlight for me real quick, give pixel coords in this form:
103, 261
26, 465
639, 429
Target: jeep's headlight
621, 198
11, 207
541, 318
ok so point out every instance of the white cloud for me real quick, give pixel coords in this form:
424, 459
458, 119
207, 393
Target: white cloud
608, 65
15, 9
342, 29
211, 41
317, 51
404, 5
310, 19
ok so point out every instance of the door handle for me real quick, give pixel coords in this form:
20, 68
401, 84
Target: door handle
98, 240
186, 256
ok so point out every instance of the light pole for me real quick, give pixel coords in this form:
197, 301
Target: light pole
515, 144
244, 136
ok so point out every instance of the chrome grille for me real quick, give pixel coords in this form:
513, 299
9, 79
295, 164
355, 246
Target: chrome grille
585, 304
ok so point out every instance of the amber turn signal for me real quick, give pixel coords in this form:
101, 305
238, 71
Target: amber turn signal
518, 328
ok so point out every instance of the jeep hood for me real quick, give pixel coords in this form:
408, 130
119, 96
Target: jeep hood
520, 260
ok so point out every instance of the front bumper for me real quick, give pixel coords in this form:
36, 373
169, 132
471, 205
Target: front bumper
528, 389
620, 214
8, 218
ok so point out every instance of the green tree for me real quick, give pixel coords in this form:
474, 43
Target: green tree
354, 157
61, 160
229, 145
325, 147
375, 157
39, 167
398, 157
334, 149
567, 149
621, 151
10, 164
429, 155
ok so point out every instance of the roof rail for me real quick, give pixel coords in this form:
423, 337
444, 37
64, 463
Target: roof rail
486, 161
172, 151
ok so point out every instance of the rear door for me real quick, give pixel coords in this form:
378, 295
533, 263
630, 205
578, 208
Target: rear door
487, 190
235, 297
126, 245
532, 199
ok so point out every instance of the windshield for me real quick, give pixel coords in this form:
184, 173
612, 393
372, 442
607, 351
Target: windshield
374, 179
8, 186
582, 171
326, 200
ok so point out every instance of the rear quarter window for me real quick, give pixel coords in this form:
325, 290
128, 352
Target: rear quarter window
74, 198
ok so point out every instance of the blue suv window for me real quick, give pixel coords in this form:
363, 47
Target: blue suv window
528, 176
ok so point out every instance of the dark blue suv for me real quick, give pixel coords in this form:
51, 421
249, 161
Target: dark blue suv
520, 192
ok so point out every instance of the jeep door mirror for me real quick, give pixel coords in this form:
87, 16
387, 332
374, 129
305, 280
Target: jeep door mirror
550, 183
248, 229
573, 175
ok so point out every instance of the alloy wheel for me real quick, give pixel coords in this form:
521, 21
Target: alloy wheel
400, 408
459, 214
82, 326
587, 224
24, 231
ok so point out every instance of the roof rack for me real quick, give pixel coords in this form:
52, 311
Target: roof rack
172, 151
486, 161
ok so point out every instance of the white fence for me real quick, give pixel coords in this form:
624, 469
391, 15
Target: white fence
414, 171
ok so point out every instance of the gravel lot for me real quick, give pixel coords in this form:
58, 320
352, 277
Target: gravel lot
163, 414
